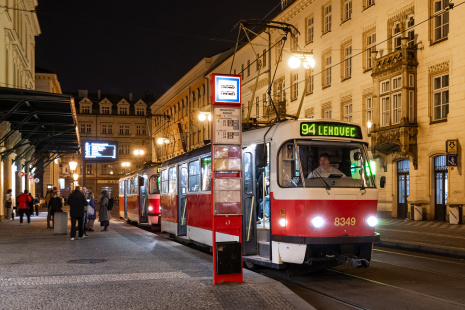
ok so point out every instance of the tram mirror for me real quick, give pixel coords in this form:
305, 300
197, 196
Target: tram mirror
260, 155
357, 156
382, 181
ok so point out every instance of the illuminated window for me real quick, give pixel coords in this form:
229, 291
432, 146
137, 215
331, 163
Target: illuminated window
391, 101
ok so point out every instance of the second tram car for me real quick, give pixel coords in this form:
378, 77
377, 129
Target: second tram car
139, 197
293, 212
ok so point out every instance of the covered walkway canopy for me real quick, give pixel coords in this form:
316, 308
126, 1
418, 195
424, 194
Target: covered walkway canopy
47, 123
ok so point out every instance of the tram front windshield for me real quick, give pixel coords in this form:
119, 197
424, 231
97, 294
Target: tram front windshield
324, 164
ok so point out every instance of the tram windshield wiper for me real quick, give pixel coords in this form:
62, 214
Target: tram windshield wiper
322, 179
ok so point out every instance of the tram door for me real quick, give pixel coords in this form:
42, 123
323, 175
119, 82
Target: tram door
402, 188
126, 191
143, 216
440, 188
182, 200
249, 205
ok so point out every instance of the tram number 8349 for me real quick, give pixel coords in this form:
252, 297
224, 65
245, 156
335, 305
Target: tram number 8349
341, 221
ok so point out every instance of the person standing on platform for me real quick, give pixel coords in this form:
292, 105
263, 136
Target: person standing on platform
31, 205
56, 205
91, 212
103, 213
48, 197
77, 201
8, 204
23, 206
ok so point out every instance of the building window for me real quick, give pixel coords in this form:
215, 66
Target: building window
369, 112
440, 20
120, 148
121, 129
346, 10
104, 129
85, 109
347, 61
327, 16
370, 41
88, 168
440, 97
310, 30
126, 149
410, 32
140, 111
140, 129
310, 81
327, 114
391, 101
294, 86
107, 169
105, 110
348, 112
327, 71
83, 128
126, 129
295, 43
369, 3
88, 128
123, 111
396, 40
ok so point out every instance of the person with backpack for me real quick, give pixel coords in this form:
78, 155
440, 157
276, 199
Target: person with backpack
104, 213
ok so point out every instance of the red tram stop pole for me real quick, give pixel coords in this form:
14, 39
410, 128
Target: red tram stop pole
226, 154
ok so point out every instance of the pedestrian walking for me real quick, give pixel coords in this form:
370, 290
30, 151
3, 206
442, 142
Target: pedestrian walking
91, 212
23, 200
8, 204
77, 201
36, 204
56, 205
31, 205
103, 213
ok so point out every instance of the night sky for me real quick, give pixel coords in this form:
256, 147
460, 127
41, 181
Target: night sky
136, 46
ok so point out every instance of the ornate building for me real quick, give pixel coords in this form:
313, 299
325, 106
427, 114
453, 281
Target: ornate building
104, 117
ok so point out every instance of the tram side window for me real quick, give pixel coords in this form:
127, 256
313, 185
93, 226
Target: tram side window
172, 180
206, 174
132, 187
164, 181
121, 188
154, 183
136, 186
248, 181
194, 176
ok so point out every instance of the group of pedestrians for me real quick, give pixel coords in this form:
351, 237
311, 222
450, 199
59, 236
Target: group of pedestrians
25, 206
83, 213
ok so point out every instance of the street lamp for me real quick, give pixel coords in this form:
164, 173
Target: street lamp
139, 152
203, 116
75, 177
298, 58
125, 164
162, 140
72, 165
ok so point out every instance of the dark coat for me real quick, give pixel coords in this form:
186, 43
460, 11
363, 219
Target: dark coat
91, 205
77, 201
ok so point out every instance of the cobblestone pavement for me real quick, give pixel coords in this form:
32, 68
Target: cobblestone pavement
123, 268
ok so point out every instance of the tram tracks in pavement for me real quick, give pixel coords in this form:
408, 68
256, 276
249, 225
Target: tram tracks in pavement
420, 269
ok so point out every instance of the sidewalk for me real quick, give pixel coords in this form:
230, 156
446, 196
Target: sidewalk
123, 268
430, 237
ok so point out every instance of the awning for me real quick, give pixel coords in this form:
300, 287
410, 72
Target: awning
47, 123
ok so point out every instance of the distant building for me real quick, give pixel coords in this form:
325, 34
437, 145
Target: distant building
104, 117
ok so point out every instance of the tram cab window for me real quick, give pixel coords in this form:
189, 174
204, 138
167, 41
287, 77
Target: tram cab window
121, 188
154, 184
206, 173
348, 162
248, 181
172, 180
194, 176
164, 181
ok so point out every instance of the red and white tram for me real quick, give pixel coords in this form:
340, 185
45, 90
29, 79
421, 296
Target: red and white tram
308, 217
139, 196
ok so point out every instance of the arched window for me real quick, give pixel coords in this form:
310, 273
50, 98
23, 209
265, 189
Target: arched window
410, 31
396, 38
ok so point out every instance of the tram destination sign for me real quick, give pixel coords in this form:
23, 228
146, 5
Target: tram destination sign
101, 150
329, 129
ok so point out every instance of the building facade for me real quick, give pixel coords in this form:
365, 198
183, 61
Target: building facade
393, 67
109, 118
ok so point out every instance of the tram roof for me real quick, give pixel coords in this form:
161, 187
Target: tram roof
47, 121
186, 156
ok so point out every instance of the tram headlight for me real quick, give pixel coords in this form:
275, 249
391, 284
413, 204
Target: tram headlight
150, 208
317, 221
372, 221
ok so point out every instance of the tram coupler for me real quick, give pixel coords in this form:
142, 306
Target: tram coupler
357, 262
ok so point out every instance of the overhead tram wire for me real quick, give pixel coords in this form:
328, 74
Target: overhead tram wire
365, 50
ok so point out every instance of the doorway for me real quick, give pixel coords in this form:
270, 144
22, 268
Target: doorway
403, 188
182, 203
440, 187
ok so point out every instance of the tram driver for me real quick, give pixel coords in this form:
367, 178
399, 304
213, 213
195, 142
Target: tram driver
325, 169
